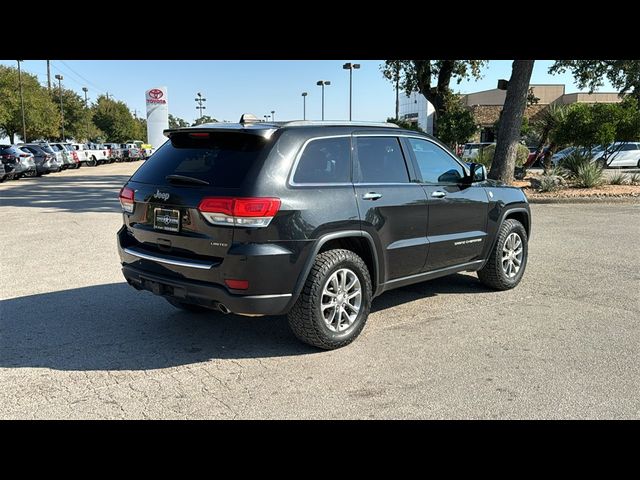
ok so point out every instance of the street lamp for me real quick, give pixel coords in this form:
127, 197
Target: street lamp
304, 105
60, 78
322, 83
24, 125
350, 67
266, 118
200, 106
86, 106
273, 115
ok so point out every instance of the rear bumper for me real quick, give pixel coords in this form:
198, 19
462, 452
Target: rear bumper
206, 294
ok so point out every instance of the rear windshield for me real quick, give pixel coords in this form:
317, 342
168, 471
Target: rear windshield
222, 159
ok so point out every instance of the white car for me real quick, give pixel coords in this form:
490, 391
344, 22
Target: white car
620, 154
471, 150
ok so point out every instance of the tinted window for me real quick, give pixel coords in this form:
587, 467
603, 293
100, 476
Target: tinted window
380, 160
629, 147
223, 160
326, 160
436, 165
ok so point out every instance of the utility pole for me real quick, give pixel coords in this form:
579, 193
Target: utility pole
107, 93
24, 125
60, 78
86, 106
49, 74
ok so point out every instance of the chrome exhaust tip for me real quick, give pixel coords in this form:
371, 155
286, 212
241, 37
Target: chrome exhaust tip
223, 309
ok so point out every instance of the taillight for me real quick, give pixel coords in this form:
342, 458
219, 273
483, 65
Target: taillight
240, 212
126, 199
24, 155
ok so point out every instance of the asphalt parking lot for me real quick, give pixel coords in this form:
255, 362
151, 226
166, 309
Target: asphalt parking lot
77, 342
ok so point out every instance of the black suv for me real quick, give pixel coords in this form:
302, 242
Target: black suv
312, 220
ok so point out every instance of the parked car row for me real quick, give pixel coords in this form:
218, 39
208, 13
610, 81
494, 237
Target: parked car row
40, 158
616, 155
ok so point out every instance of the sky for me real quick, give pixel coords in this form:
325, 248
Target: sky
234, 87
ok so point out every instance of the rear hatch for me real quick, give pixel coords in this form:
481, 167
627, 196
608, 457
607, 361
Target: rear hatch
169, 188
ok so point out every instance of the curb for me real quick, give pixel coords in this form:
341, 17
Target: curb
627, 200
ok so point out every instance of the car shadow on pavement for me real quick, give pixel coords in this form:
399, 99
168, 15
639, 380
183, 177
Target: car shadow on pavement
456, 284
77, 193
114, 327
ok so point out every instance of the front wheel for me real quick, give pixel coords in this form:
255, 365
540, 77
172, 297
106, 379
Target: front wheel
334, 304
507, 261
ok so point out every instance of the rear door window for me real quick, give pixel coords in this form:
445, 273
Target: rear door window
222, 159
325, 160
380, 160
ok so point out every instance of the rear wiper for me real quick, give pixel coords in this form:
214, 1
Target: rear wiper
184, 178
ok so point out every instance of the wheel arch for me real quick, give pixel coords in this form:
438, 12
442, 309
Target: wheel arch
359, 242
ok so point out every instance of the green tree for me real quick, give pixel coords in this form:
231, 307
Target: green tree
432, 78
114, 119
504, 161
204, 119
177, 122
405, 124
624, 75
457, 124
392, 71
139, 131
42, 116
75, 114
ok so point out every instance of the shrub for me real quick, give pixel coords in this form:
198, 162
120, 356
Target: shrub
573, 162
558, 171
485, 156
634, 179
618, 178
549, 183
589, 175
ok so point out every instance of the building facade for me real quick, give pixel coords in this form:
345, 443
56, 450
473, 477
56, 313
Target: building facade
417, 110
487, 105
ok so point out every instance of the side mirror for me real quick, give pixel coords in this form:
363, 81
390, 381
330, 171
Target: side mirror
478, 172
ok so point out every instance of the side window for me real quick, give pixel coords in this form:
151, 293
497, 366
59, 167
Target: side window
380, 160
325, 160
436, 165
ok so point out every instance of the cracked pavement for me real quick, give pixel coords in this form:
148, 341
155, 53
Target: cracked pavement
77, 342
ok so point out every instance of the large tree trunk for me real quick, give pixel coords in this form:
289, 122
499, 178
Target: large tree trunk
12, 138
504, 159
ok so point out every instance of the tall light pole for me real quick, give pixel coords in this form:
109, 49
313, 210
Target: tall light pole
304, 105
86, 106
322, 83
266, 118
200, 106
24, 124
350, 67
273, 115
60, 78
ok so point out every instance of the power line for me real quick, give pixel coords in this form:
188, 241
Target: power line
83, 78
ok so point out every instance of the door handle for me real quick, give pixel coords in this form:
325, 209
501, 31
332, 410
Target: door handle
371, 196
439, 194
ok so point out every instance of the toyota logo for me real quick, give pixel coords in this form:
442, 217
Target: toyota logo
156, 93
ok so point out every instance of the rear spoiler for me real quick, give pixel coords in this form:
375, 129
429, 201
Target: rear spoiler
252, 129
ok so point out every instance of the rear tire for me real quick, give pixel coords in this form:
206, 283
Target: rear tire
92, 162
500, 270
189, 307
312, 317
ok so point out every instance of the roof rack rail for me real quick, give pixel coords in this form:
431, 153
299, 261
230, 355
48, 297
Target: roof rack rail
336, 123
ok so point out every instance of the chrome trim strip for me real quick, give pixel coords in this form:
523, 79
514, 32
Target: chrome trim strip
179, 263
431, 272
278, 295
